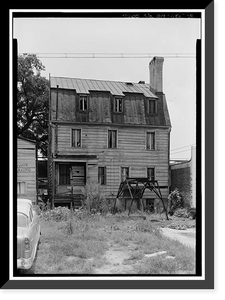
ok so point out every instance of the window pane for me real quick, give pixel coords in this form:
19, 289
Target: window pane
85, 103
81, 103
76, 138
152, 134
112, 138
151, 173
120, 105
102, 175
21, 188
78, 141
73, 138
116, 105
150, 140
64, 174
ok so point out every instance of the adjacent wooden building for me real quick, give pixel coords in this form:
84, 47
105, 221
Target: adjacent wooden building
104, 131
26, 169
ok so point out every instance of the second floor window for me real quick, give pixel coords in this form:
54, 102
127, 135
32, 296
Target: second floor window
76, 138
112, 139
83, 103
150, 140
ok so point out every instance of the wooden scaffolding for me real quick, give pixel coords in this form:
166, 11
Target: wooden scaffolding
136, 187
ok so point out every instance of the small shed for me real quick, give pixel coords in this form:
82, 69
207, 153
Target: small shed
26, 169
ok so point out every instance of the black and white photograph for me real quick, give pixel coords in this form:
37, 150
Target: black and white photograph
108, 145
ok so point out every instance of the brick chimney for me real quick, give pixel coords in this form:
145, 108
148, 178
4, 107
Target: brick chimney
156, 74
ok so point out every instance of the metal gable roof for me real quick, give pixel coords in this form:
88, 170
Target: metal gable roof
117, 88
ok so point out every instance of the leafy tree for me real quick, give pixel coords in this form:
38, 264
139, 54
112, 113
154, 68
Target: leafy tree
32, 101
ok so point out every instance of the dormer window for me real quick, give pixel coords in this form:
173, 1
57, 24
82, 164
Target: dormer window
118, 105
152, 106
83, 103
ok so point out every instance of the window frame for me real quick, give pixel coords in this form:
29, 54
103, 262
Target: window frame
82, 96
146, 140
116, 139
121, 172
151, 168
115, 105
100, 181
25, 187
151, 203
65, 174
149, 106
71, 137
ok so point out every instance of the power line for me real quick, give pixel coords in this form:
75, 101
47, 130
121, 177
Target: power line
180, 151
183, 147
111, 55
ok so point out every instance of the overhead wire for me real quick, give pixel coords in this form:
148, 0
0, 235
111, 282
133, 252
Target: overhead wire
182, 147
110, 55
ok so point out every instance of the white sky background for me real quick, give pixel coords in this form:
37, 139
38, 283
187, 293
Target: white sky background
125, 35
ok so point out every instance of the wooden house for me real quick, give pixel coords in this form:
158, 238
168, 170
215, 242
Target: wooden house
104, 131
26, 169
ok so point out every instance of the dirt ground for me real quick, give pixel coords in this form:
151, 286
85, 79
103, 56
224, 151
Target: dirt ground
186, 237
116, 257
122, 238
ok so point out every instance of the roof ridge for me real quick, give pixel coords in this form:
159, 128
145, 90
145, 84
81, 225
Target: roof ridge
66, 77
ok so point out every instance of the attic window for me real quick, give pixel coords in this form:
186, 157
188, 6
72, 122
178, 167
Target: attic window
129, 83
152, 106
83, 103
118, 105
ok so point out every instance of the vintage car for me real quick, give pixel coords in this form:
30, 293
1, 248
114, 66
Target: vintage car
28, 233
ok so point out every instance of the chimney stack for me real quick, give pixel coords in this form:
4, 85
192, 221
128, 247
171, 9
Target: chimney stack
156, 75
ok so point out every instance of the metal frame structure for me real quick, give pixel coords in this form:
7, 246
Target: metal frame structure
136, 187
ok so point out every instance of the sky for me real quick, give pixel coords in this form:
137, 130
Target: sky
123, 35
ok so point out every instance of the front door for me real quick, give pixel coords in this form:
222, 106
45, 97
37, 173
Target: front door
77, 179
71, 179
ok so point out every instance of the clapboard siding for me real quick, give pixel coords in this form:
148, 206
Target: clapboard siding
132, 124
26, 168
130, 152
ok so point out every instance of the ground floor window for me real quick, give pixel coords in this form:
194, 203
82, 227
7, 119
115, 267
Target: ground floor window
151, 173
102, 175
150, 205
124, 173
64, 174
21, 188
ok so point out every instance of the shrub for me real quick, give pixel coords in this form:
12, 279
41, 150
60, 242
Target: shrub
94, 202
175, 201
57, 214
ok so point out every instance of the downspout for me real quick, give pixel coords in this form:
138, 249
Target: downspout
56, 145
49, 141
36, 154
169, 173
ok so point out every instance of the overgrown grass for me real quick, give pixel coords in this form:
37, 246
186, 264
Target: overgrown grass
77, 243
